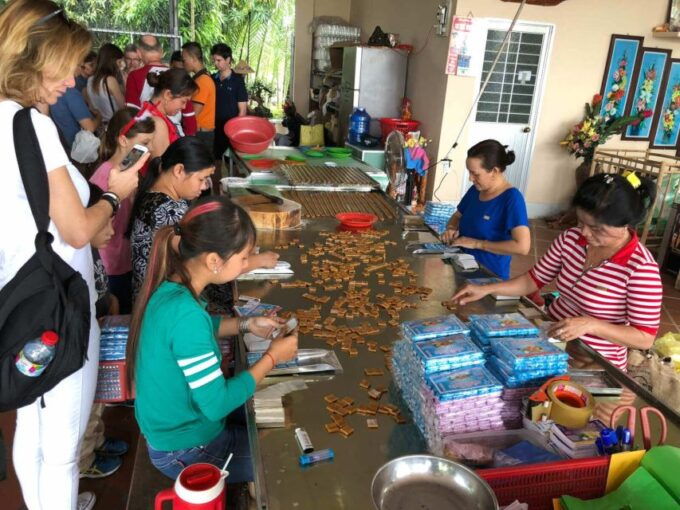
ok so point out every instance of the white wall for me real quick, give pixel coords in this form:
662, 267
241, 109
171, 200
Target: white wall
426, 82
305, 12
582, 33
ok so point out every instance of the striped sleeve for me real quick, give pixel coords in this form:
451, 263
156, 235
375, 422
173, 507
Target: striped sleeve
548, 266
643, 300
198, 357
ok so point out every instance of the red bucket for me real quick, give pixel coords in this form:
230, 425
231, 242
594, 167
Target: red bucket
249, 134
388, 125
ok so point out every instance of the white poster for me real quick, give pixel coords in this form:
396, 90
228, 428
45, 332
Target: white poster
465, 41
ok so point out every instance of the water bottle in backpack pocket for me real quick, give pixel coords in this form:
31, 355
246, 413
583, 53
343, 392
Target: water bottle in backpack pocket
37, 354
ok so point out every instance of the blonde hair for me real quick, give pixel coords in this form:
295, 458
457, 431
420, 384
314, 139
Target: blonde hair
37, 40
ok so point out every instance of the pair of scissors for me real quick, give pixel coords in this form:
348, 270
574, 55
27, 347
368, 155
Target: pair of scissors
644, 421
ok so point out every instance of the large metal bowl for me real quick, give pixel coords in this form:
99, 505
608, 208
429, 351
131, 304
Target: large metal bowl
425, 482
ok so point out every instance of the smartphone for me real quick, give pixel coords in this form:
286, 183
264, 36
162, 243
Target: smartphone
133, 156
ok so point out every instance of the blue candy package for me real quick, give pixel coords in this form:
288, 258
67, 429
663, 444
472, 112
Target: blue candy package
257, 309
254, 356
528, 353
463, 383
448, 353
503, 324
523, 378
435, 327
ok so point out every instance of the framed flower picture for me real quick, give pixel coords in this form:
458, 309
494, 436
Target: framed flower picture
624, 52
673, 16
646, 90
667, 119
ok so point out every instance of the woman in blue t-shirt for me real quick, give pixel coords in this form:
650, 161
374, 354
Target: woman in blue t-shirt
491, 221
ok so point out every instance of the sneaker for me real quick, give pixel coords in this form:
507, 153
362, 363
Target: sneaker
102, 466
113, 447
86, 500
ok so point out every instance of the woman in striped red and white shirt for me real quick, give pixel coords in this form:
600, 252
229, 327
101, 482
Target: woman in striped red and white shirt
609, 284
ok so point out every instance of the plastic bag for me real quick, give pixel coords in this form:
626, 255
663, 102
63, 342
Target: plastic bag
668, 346
311, 136
85, 148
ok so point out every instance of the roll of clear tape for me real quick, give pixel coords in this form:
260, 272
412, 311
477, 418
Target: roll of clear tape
571, 404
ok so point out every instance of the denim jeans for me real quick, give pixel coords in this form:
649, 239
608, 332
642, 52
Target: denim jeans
232, 439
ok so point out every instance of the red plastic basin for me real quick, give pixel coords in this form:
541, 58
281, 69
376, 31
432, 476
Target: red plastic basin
263, 163
249, 134
356, 220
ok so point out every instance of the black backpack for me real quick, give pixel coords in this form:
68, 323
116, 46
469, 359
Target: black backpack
46, 293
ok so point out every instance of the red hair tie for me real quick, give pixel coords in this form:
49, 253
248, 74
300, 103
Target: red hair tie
201, 209
141, 114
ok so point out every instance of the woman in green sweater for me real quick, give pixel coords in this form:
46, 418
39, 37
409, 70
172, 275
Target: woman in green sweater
183, 397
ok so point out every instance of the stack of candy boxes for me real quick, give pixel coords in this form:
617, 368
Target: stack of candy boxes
459, 378
437, 215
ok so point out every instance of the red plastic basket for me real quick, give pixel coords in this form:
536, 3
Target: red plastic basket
538, 484
388, 125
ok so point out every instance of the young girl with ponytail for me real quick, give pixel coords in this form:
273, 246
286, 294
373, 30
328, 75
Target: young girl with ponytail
172, 90
115, 146
609, 286
173, 359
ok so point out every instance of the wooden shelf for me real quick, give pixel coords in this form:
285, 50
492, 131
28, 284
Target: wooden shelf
666, 35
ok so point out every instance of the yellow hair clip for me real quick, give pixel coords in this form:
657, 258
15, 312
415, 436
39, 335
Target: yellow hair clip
633, 179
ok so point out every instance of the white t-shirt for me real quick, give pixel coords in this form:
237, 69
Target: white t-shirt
102, 101
17, 227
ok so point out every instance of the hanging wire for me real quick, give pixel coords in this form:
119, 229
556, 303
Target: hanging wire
504, 44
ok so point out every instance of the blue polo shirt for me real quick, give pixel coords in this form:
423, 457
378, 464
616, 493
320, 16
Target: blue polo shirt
67, 113
229, 92
492, 220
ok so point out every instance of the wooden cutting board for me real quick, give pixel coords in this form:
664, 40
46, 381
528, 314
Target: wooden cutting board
268, 215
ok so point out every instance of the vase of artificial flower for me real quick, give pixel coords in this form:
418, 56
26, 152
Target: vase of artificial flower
594, 130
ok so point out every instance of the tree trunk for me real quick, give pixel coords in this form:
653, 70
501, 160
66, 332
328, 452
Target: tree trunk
259, 58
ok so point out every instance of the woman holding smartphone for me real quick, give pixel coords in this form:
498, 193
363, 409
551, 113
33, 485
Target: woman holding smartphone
123, 134
40, 48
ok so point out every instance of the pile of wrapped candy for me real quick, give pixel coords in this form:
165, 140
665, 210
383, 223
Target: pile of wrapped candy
442, 378
115, 330
437, 215
458, 377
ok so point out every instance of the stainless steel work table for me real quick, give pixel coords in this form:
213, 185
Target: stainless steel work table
345, 482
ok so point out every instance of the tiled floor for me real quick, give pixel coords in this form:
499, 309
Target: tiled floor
112, 491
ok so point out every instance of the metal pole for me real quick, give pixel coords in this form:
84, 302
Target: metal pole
174, 23
193, 20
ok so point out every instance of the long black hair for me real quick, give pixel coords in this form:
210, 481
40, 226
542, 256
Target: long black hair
189, 151
612, 200
107, 65
212, 225
177, 81
492, 154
